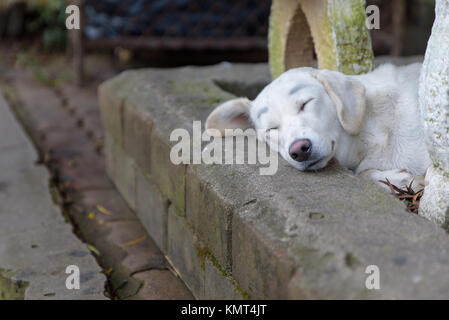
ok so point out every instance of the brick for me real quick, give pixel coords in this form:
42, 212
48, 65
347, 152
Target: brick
211, 218
122, 170
169, 178
144, 265
126, 249
185, 252
43, 107
83, 100
68, 142
152, 210
85, 172
161, 285
93, 125
111, 200
137, 136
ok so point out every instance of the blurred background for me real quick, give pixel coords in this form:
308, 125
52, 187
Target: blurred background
169, 33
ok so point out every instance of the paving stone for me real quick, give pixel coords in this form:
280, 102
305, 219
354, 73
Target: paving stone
115, 235
158, 285
125, 248
107, 198
83, 100
86, 172
42, 105
140, 254
93, 125
66, 142
36, 244
132, 238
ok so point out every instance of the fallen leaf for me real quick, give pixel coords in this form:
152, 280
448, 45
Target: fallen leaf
93, 249
104, 210
408, 196
130, 243
107, 272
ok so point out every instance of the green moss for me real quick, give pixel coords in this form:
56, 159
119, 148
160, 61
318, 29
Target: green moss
342, 39
10, 289
204, 253
245, 295
446, 221
327, 55
353, 42
201, 93
351, 261
41, 72
276, 45
316, 215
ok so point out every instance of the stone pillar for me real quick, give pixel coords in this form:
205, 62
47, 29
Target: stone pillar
434, 103
336, 29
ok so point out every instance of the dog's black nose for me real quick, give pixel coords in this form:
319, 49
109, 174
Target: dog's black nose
300, 150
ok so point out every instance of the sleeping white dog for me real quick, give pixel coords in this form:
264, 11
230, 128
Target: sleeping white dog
369, 123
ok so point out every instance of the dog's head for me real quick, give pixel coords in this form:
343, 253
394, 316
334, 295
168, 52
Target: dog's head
302, 114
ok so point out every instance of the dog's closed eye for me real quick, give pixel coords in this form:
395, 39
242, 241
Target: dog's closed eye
273, 128
304, 105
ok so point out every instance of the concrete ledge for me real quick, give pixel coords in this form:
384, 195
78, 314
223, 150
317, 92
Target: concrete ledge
231, 233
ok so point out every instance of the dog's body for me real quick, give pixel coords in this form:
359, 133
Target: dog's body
369, 123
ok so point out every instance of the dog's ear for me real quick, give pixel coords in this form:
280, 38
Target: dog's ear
349, 98
233, 114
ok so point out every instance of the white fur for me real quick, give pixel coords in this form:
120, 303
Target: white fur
369, 123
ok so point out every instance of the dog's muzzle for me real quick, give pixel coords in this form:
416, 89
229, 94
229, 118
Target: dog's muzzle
300, 150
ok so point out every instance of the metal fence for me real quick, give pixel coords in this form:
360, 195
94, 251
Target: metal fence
179, 24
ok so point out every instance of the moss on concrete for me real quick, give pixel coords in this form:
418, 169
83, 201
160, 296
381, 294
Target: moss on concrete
204, 253
276, 43
342, 41
351, 261
353, 43
201, 92
10, 289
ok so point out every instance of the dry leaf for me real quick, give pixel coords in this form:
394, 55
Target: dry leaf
103, 210
410, 198
93, 249
130, 243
